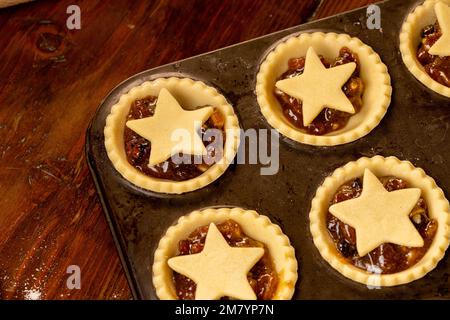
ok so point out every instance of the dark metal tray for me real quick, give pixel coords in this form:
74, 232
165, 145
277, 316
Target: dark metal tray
415, 129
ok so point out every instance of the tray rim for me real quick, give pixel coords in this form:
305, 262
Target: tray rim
116, 234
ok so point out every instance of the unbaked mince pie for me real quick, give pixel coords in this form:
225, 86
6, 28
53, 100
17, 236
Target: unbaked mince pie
328, 119
380, 221
323, 88
224, 254
171, 135
425, 45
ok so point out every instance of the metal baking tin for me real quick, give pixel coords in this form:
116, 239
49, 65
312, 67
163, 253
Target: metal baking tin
415, 128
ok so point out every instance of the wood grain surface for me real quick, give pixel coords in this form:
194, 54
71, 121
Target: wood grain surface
51, 81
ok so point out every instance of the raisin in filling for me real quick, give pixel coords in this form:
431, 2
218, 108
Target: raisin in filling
262, 277
387, 258
437, 67
138, 148
328, 120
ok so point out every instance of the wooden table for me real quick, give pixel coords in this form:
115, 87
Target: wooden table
51, 82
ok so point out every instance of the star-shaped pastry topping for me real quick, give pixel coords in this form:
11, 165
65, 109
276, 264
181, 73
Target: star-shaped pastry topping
219, 270
319, 87
442, 46
171, 130
379, 216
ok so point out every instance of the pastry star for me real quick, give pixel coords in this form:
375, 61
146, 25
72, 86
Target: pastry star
442, 46
219, 270
169, 121
379, 216
319, 87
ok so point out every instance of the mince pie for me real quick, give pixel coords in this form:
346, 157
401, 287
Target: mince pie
224, 254
171, 135
425, 45
323, 88
380, 221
